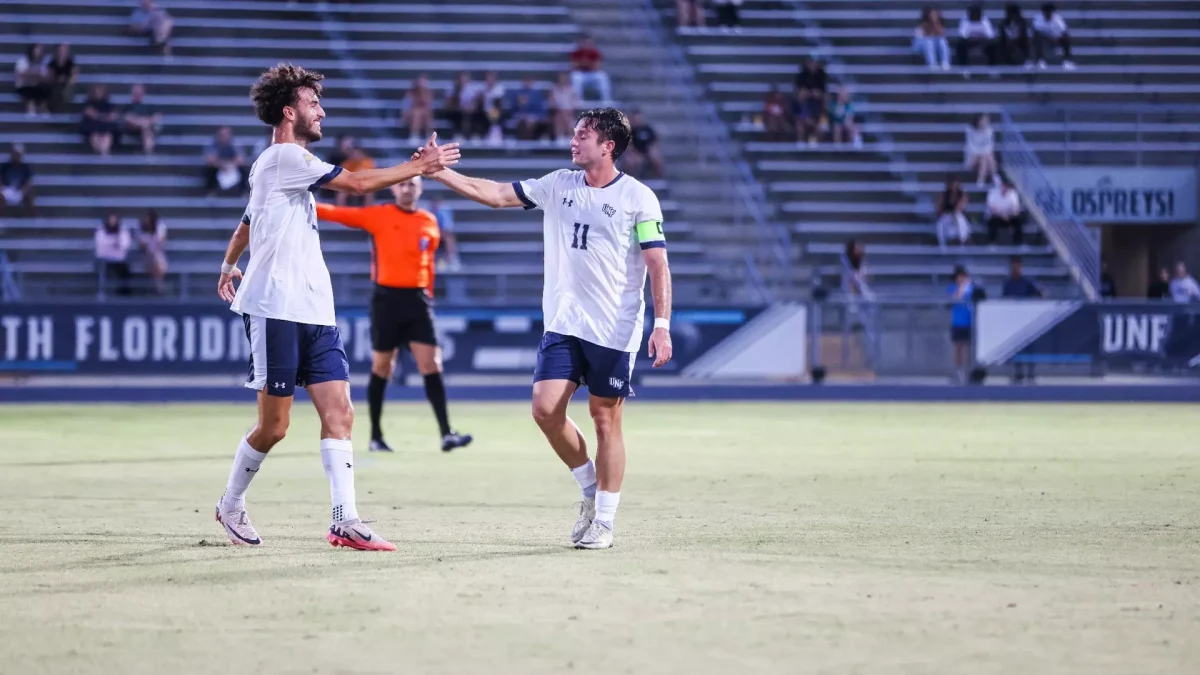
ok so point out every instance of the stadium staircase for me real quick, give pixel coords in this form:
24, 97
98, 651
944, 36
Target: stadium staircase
369, 51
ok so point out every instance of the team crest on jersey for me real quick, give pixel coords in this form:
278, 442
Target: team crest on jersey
608, 210
425, 241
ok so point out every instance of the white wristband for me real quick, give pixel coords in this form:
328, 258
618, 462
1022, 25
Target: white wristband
662, 323
226, 268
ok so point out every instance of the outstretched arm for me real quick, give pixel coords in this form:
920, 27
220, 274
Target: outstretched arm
346, 215
486, 192
660, 287
431, 159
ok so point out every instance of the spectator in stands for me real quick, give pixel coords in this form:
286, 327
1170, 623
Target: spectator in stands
813, 78
152, 241
529, 112
1014, 37
141, 118
808, 110
16, 183
418, 111
976, 35
1160, 288
493, 108
689, 14
112, 248
29, 78
1049, 29
563, 104
777, 119
99, 124
979, 152
1019, 287
341, 151
841, 119
963, 296
464, 107
854, 270
225, 169
643, 149
449, 248
930, 39
951, 211
586, 71
153, 21
727, 15
1003, 211
357, 160
1108, 285
62, 73
1184, 287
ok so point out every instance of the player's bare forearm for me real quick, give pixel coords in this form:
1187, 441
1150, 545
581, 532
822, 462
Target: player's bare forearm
237, 243
431, 159
660, 281
486, 192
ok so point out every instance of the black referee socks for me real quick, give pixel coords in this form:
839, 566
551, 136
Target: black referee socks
375, 388
435, 391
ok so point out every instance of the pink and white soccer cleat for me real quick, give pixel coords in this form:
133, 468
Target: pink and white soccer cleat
356, 535
237, 527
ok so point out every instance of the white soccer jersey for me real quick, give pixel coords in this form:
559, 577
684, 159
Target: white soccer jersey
595, 276
287, 278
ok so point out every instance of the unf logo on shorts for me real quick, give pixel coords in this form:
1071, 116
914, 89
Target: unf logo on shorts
616, 383
608, 210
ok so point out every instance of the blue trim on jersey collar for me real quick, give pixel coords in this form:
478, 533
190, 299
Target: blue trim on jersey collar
620, 175
325, 179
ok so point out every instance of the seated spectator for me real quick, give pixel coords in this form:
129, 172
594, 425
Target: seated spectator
808, 111
151, 20
493, 108
1108, 285
528, 111
418, 111
1160, 288
586, 72
813, 78
777, 118
464, 107
841, 119
951, 212
1184, 287
1014, 37
152, 240
29, 79
225, 165
854, 275
62, 73
979, 152
689, 14
1049, 29
564, 102
112, 248
99, 124
643, 149
976, 35
16, 183
1004, 210
963, 296
930, 39
141, 119
727, 15
358, 160
449, 248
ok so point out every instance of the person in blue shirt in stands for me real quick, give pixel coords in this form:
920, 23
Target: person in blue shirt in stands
1017, 287
963, 295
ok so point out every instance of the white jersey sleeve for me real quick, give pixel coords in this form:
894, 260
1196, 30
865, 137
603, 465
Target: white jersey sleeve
301, 171
535, 193
648, 220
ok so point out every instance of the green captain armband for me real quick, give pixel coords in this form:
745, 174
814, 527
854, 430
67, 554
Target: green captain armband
650, 234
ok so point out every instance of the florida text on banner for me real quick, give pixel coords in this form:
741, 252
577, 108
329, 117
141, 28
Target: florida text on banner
1120, 194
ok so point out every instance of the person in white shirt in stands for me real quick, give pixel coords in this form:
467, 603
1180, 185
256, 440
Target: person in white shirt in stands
976, 34
1050, 29
1184, 287
1004, 210
979, 152
112, 250
951, 214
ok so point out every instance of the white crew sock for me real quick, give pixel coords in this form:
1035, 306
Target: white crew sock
586, 477
246, 462
606, 507
338, 458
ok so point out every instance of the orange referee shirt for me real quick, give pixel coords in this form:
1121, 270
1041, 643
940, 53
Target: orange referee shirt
403, 242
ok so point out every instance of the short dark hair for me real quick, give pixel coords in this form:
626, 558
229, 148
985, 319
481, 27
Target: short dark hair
959, 271
278, 87
609, 124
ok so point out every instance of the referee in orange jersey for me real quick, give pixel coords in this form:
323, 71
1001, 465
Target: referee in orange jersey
404, 241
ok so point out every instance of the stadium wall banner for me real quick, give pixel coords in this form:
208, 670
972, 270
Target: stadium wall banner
161, 338
1118, 334
1146, 195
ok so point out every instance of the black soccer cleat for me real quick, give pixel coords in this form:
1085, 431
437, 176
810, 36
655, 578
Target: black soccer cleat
379, 445
454, 440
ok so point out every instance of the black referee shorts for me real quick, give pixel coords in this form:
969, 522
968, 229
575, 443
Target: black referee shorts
400, 316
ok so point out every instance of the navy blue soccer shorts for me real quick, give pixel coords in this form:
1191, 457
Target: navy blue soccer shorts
605, 371
285, 355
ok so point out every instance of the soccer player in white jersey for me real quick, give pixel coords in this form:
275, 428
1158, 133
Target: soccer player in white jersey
286, 299
603, 232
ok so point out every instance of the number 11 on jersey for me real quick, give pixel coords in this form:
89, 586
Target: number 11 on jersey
577, 241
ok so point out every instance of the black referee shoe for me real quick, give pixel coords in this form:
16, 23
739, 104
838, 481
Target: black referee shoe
379, 445
454, 440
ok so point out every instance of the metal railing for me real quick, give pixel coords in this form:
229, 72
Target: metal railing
1069, 237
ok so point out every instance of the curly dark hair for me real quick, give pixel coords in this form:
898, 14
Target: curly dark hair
609, 124
278, 88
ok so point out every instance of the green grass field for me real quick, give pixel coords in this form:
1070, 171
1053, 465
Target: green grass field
752, 538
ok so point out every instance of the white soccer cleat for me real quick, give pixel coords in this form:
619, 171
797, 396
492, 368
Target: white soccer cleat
237, 527
598, 536
356, 535
587, 513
